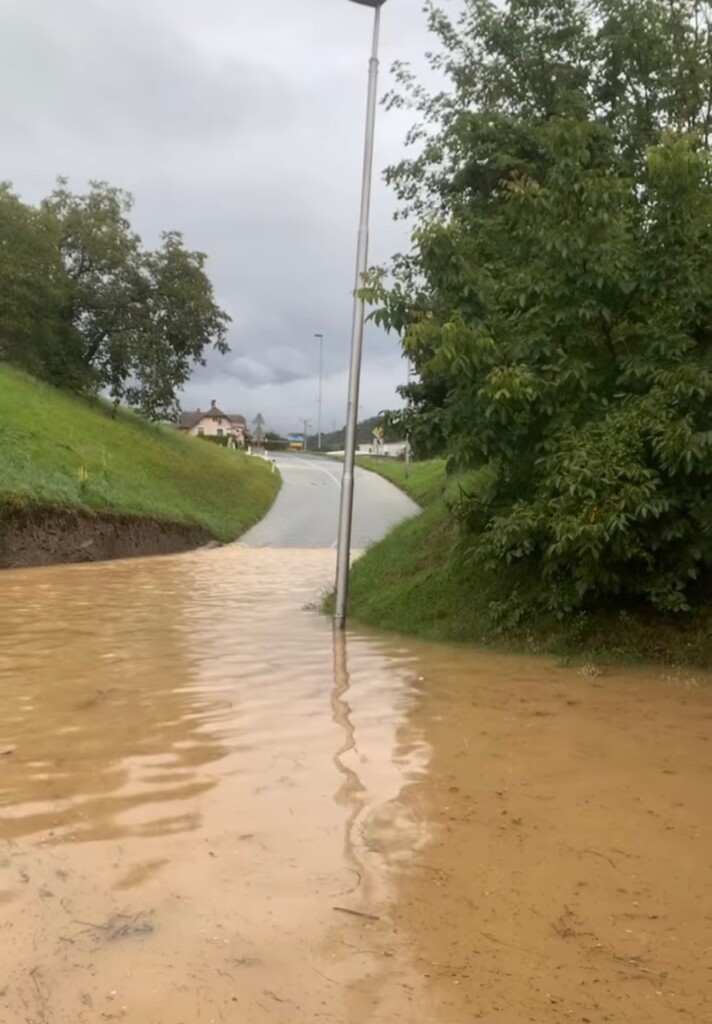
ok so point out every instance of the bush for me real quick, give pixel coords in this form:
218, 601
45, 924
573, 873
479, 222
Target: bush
557, 303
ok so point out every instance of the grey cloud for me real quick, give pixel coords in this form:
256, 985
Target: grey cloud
240, 124
279, 365
380, 374
139, 77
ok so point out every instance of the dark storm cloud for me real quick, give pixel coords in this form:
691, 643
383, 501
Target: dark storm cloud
278, 365
240, 124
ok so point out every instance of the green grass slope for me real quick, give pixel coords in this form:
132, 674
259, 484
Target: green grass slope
410, 581
61, 451
425, 482
416, 582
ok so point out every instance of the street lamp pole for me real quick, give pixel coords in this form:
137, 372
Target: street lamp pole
407, 436
320, 339
343, 560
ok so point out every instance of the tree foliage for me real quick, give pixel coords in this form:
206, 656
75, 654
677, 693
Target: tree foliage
86, 306
33, 287
557, 302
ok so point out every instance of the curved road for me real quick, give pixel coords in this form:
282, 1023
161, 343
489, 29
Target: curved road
306, 512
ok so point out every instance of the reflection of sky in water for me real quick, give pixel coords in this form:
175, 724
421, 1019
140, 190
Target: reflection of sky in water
233, 772
131, 689
186, 741
299, 697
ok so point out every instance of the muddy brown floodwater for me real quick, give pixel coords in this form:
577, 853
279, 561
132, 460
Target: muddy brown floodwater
214, 811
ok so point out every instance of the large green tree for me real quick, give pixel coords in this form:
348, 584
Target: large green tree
85, 305
557, 302
33, 291
145, 317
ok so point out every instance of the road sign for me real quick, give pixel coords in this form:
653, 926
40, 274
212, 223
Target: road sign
258, 423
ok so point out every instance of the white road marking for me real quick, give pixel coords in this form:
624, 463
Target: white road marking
313, 465
308, 466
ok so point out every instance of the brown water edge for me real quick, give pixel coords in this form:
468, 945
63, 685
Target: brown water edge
194, 775
567, 877
34, 535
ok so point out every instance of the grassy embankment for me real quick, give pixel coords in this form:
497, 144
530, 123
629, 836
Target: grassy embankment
416, 582
58, 451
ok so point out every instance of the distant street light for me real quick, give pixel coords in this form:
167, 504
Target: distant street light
347, 481
307, 424
320, 339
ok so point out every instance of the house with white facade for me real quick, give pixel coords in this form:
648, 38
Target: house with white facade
214, 423
391, 450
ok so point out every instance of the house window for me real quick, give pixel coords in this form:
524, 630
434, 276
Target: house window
201, 431
220, 431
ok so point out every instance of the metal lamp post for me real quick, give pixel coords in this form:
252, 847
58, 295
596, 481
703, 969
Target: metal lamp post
407, 436
347, 481
320, 339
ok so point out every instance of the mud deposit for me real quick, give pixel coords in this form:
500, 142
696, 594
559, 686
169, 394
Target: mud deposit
212, 810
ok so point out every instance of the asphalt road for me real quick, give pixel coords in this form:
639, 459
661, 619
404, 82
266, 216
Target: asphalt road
306, 512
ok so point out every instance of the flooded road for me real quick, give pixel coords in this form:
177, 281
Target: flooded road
215, 811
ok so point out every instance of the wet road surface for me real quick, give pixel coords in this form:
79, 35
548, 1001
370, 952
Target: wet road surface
306, 512
214, 810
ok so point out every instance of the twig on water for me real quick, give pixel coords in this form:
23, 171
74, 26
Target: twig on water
41, 998
603, 856
332, 981
357, 913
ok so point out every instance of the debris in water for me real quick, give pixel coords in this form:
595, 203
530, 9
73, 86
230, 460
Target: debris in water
120, 926
357, 913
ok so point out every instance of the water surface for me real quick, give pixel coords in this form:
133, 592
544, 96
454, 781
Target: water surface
215, 810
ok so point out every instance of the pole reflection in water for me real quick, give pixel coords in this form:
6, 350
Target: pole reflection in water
351, 793
378, 985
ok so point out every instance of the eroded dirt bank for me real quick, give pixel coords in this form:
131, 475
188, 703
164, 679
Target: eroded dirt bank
214, 810
32, 536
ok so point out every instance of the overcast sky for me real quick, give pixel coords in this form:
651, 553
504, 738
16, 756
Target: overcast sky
240, 123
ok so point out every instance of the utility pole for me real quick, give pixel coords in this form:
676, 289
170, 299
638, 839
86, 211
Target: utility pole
343, 557
407, 433
307, 424
320, 339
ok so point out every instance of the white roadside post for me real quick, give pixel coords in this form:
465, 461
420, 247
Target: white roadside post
343, 558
